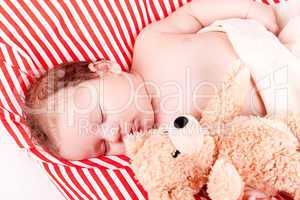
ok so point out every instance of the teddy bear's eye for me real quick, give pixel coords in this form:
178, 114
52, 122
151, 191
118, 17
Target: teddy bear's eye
175, 154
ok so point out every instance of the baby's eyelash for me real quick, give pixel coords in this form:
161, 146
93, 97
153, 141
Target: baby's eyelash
102, 116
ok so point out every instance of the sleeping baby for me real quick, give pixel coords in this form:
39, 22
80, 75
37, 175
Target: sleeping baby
82, 110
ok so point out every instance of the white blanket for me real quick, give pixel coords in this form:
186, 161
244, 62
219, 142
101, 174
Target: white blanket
274, 69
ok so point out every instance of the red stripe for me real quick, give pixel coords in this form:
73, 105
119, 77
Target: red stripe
28, 68
87, 182
110, 27
163, 7
76, 183
147, 11
11, 133
77, 27
112, 184
12, 86
38, 23
172, 5
45, 159
20, 129
180, 3
118, 24
66, 30
62, 178
103, 34
9, 101
16, 71
137, 3
140, 187
55, 29
265, 1
34, 35
125, 184
55, 179
12, 38
128, 28
100, 184
154, 11
133, 16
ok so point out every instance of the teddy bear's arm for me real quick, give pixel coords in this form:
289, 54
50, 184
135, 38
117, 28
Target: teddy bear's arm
224, 182
292, 120
175, 193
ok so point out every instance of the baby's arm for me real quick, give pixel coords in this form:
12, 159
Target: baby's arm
200, 13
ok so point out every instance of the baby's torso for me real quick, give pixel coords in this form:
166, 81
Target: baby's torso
183, 71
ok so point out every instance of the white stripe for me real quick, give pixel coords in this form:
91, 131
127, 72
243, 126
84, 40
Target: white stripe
158, 9
72, 29
106, 29
94, 184
150, 11
136, 13
9, 92
176, 3
168, 6
20, 40
16, 131
109, 34
3, 129
15, 80
54, 182
21, 67
102, 163
144, 11
4, 102
18, 53
120, 19
47, 156
132, 184
128, 16
106, 184
119, 160
27, 34
49, 29
82, 183
82, 27
8, 64
61, 30
119, 184
52, 170
38, 32
68, 179
184, 1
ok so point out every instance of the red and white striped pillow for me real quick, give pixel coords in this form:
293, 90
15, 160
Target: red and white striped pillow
38, 34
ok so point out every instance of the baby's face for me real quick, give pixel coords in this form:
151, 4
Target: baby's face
92, 117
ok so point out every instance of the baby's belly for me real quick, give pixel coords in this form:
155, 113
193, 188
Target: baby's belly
187, 71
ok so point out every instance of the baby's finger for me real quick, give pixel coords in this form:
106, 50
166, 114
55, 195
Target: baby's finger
115, 149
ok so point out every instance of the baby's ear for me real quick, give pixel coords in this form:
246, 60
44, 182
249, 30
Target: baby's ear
134, 142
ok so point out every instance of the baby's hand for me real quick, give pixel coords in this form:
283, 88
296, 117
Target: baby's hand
264, 14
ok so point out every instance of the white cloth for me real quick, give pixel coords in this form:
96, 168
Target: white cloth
274, 69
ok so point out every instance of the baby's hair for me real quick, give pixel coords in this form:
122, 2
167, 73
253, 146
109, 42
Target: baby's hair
61, 76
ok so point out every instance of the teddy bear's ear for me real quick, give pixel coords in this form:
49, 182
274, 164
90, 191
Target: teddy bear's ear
134, 142
230, 100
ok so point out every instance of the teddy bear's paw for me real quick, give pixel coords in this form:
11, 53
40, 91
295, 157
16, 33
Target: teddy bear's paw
225, 182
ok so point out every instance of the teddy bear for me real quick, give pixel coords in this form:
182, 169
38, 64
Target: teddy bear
223, 151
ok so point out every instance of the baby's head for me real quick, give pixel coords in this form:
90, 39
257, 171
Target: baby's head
82, 110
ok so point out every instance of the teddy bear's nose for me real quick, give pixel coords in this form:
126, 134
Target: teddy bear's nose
181, 122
